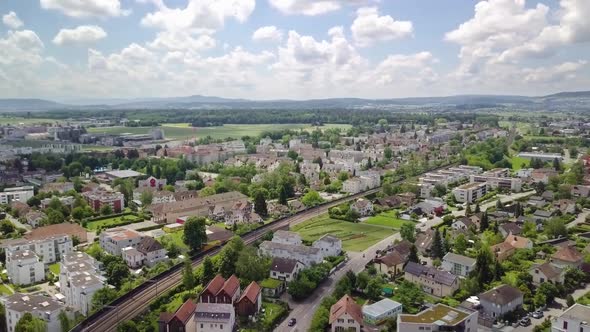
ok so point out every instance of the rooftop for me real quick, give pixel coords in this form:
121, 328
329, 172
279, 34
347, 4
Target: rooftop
439, 314
463, 260
122, 174
31, 303
577, 311
379, 308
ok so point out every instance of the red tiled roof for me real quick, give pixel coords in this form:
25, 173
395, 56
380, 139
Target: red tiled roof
185, 311
568, 254
231, 285
346, 305
215, 285
251, 292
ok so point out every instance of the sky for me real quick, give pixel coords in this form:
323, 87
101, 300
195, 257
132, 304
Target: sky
297, 49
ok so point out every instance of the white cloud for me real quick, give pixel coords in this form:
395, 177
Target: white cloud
181, 41
86, 8
557, 73
414, 68
12, 21
198, 15
21, 47
267, 33
83, 34
369, 28
313, 7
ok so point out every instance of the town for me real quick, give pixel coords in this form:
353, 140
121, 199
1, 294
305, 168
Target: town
479, 223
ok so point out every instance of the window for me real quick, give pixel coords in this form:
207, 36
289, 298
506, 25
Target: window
565, 325
221, 326
201, 325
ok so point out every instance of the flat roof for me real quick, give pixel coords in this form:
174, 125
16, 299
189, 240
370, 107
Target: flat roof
379, 308
439, 314
128, 173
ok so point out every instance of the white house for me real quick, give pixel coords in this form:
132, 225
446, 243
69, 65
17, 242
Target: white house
21, 194
211, 317
574, 319
470, 192
42, 307
304, 254
115, 239
378, 312
24, 267
285, 269
362, 206
500, 300
329, 245
79, 279
346, 315
286, 237
352, 186
457, 264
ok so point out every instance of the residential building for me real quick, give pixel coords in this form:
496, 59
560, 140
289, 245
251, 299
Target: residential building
543, 175
547, 272
567, 256
541, 156
346, 315
500, 300
470, 192
432, 281
114, 240
19, 194
49, 249
458, 265
306, 255
79, 279
285, 269
286, 237
329, 245
34, 218
440, 317
152, 182
574, 319
64, 200
99, 198
392, 263
362, 206
24, 267
39, 306
502, 251
211, 317
220, 290
510, 228
180, 321
60, 187
424, 242
52, 231
379, 312
147, 252
250, 301
493, 182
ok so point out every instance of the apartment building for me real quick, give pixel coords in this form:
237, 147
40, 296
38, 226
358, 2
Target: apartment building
439, 318
50, 249
99, 198
20, 194
470, 192
575, 319
42, 307
24, 267
79, 278
512, 184
114, 240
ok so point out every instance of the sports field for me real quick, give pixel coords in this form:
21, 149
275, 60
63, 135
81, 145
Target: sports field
354, 236
184, 131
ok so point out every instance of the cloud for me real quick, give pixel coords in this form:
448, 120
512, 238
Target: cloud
267, 33
181, 41
313, 7
83, 34
86, 8
12, 21
415, 69
551, 74
198, 15
21, 47
369, 28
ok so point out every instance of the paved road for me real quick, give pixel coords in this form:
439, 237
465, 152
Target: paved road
304, 311
579, 219
17, 223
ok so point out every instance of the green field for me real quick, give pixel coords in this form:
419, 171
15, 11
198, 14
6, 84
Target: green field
386, 218
176, 238
184, 131
17, 120
517, 162
54, 268
354, 236
5, 290
110, 222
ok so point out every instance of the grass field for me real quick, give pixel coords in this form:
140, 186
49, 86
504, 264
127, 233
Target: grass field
386, 218
175, 237
184, 131
5, 290
110, 222
54, 268
518, 161
17, 120
272, 312
354, 236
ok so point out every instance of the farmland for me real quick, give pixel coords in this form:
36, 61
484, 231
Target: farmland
354, 236
184, 131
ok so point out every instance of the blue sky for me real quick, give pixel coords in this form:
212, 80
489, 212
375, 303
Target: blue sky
69, 49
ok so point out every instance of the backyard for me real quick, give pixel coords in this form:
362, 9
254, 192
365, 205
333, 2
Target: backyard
387, 218
354, 236
109, 222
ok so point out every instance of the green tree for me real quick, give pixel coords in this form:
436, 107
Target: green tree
260, 204
437, 249
34, 201
146, 198
413, 256
64, 321
117, 272
387, 153
127, 326
103, 297
408, 232
195, 234
312, 198
30, 323
468, 209
250, 266
374, 288
6, 227
484, 223
460, 244
483, 267
3, 318
54, 217
555, 227
188, 277
229, 255
106, 210
569, 301
283, 196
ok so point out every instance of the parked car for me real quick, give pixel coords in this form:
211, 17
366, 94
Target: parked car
292, 322
525, 321
537, 314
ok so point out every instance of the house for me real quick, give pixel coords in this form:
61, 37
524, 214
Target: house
424, 242
153, 252
432, 281
346, 315
114, 240
53, 231
548, 195
542, 215
362, 206
99, 198
429, 207
500, 300
389, 202
439, 317
509, 228
379, 312
34, 218
547, 272
567, 256
211, 317
407, 198
463, 223
180, 321
536, 201
251, 300
580, 191
392, 263
132, 257
24, 267
458, 265
42, 307
152, 182
286, 237
502, 250
574, 319
566, 206
329, 245
16, 194
543, 175
519, 242
60, 187
306, 255
220, 290
285, 269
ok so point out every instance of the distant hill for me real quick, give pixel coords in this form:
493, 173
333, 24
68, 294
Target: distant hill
580, 100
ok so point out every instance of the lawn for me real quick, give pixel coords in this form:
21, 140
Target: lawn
175, 237
184, 131
272, 312
5, 290
110, 222
17, 120
517, 162
386, 218
54, 268
354, 236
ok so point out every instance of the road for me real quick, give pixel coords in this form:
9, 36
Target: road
581, 218
304, 311
17, 223
132, 306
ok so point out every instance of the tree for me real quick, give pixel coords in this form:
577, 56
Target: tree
569, 301
34, 201
387, 153
64, 321
78, 213
283, 196
460, 244
484, 224
483, 263
116, 273
312, 198
556, 164
30, 323
260, 204
195, 234
250, 266
292, 154
6, 227
374, 288
439, 190
499, 204
3, 318
468, 209
208, 270
477, 208
408, 232
229, 255
127, 326
413, 256
555, 228
362, 280
437, 250
146, 198
188, 277
106, 210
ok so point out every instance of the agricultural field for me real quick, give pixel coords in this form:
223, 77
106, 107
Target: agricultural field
184, 131
387, 219
354, 236
4, 120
